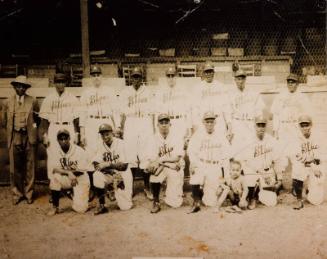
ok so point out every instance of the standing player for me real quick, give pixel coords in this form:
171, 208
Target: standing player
165, 163
287, 107
306, 152
97, 108
208, 151
244, 106
138, 126
59, 110
175, 101
262, 162
212, 97
67, 169
109, 164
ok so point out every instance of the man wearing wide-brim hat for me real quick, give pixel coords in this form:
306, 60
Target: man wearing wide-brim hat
20, 116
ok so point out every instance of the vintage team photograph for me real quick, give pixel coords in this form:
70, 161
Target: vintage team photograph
145, 129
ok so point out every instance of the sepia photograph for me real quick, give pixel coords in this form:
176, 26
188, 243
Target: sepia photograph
171, 129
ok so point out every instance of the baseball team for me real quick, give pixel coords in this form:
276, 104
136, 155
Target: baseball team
101, 141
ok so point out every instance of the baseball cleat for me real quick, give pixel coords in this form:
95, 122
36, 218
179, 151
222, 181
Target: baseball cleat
299, 205
101, 209
156, 207
195, 208
148, 194
53, 211
252, 205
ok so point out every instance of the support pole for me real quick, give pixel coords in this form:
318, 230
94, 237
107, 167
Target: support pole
85, 38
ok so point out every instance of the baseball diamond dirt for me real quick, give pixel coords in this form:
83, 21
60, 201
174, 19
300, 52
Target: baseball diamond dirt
277, 232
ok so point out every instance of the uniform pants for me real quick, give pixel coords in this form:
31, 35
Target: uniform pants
174, 190
123, 197
60, 182
22, 166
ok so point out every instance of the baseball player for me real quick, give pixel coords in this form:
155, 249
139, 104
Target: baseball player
208, 152
110, 166
212, 96
306, 152
165, 155
244, 106
67, 169
138, 125
175, 101
287, 107
262, 162
97, 104
59, 110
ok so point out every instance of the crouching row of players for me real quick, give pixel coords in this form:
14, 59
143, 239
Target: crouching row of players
243, 172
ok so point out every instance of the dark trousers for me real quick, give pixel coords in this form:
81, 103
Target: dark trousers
146, 176
22, 166
298, 188
253, 193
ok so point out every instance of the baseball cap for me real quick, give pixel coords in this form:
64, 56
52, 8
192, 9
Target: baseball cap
63, 132
260, 119
209, 115
240, 73
171, 71
21, 80
95, 69
208, 67
293, 77
105, 127
59, 77
136, 71
305, 118
163, 116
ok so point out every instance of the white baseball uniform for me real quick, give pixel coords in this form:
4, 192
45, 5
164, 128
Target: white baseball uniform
208, 154
212, 97
286, 109
114, 154
59, 111
175, 101
96, 108
75, 159
301, 151
244, 107
261, 159
139, 125
169, 147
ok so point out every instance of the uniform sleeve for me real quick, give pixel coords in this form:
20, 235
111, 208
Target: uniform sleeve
76, 107
45, 108
4, 113
122, 151
83, 109
275, 110
193, 150
178, 147
259, 105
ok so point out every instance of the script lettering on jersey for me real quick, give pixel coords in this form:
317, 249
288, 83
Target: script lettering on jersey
110, 157
133, 100
68, 164
94, 99
206, 145
210, 92
307, 152
57, 104
165, 150
261, 150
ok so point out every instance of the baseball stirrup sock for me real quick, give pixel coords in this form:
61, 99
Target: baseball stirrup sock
156, 191
196, 193
298, 187
146, 178
100, 193
55, 198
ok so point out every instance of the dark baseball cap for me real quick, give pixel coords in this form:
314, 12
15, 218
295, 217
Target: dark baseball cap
105, 127
292, 77
59, 77
63, 132
163, 116
209, 115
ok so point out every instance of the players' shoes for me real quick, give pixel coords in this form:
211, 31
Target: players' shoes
196, 207
101, 209
53, 211
156, 207
148, 194
253, 204
299, 205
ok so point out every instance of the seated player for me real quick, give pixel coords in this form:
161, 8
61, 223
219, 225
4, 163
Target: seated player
68, 169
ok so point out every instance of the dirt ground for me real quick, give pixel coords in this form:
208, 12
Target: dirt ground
279, 232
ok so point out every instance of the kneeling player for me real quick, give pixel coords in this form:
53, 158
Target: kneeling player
110, 166
67, 169
165, 154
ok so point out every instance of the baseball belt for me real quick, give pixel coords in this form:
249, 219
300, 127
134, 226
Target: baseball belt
99, 117
61, 123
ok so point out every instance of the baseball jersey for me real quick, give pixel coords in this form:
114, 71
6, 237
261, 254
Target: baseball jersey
208, 148
60, 108
301, 151
287, 107
75, 159
169, 147
114, 154
211, 97
97, 103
